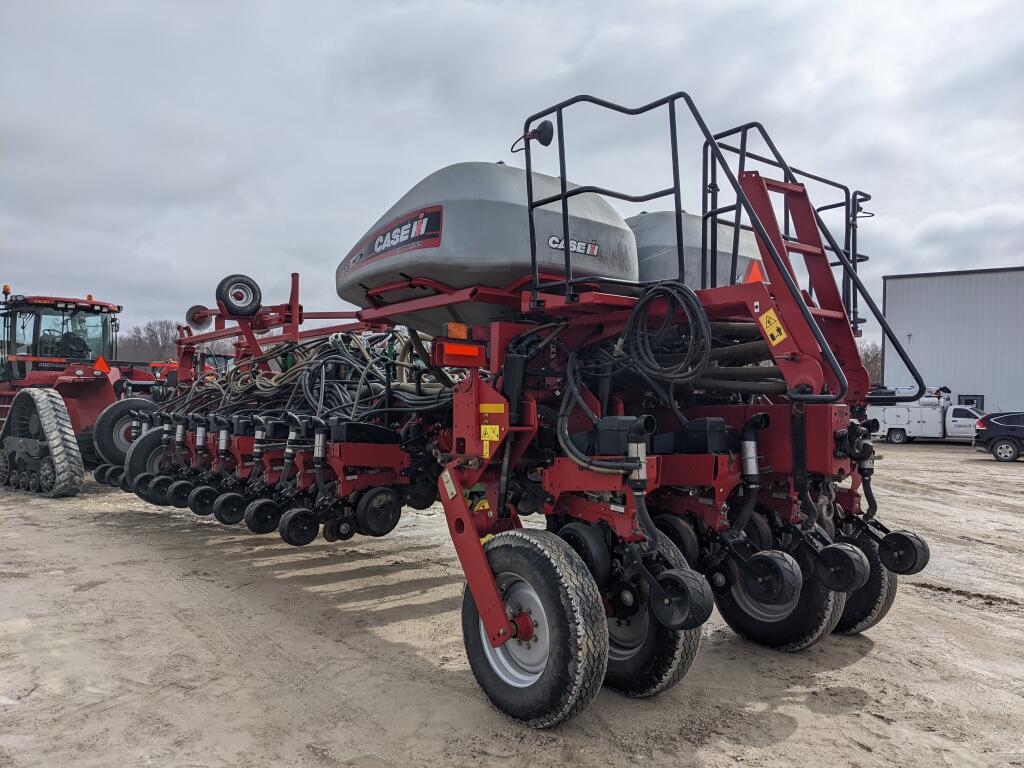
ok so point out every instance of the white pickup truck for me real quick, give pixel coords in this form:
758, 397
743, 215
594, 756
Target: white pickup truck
933, 417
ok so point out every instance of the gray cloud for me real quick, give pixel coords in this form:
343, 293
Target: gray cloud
147, 149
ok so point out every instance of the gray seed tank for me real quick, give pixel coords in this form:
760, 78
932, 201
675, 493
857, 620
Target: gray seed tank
656, 247
467, 225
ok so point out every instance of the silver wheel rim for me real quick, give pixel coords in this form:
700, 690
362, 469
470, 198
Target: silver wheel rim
765, 612
240, 294
519, 663
153, 461
1004, 451
121, 429
627, 636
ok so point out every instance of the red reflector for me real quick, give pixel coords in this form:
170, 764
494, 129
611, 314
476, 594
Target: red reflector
459, 355
101, 364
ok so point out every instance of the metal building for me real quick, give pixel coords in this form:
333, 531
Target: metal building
963, 330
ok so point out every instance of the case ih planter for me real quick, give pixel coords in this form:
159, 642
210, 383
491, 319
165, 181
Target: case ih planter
683, 440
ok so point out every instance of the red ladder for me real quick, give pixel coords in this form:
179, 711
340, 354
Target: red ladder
828, 311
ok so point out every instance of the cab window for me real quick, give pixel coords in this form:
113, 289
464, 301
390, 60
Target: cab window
24, 333
963, 413
73, 334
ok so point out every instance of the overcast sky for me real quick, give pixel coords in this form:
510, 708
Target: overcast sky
148, 149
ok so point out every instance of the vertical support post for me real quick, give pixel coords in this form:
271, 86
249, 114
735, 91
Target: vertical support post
677, 196
565, 207
734, 265
529, 214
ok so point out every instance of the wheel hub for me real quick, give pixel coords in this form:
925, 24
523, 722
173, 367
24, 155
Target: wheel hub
520, 661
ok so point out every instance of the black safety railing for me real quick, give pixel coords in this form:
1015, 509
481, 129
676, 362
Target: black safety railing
716, 154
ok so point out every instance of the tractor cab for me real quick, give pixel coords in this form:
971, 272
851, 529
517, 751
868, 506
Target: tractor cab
49, 332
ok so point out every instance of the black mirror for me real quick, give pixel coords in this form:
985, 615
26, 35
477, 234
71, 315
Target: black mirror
543, 133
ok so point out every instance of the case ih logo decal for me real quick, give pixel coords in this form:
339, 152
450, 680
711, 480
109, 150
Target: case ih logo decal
419, 229
575, 246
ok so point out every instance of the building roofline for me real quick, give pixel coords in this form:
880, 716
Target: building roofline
954, 272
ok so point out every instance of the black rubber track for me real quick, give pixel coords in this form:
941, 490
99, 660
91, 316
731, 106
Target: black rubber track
59, 434
579, 630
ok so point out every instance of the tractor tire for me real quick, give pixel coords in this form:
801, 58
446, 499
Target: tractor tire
791, 625
645, 657
553, 678
240, 295
144, 455
5, 466
42, 415
868, 605
110, 435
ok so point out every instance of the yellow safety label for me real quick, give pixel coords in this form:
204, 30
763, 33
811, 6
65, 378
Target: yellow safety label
492, 407
490, 432
487, 450
482, 506
773, 328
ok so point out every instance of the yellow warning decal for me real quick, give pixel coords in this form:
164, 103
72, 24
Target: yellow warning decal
482, 506
487, 450
773, 328
490, 432
492, 407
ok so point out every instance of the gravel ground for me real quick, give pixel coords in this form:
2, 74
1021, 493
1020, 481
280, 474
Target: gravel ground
133, 636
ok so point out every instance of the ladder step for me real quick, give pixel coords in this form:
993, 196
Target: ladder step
784, 186
828, 314
804, 248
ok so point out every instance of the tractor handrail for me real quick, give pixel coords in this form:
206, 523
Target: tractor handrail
670, 101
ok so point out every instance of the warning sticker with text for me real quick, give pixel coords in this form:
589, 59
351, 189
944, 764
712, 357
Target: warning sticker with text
773, 328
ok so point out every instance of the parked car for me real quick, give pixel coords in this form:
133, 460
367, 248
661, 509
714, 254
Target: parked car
1001, 434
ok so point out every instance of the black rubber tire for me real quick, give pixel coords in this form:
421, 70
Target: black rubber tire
262, 516
664, 655
201, 500
1011, 450
140, 486
588, 542
299, 526
100, 473
113, 419
142, 454
178, 493
852, 567
904, 552
681, 533
578, 629
244, 305
57, 432
229, 508
817, 610
157, 490
896, 436
869, 604
114, 477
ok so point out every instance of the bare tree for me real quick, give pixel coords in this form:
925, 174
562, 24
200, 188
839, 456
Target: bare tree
151, 341
871, 356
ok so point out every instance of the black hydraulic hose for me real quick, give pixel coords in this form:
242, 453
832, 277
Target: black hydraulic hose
767, 387
865, 482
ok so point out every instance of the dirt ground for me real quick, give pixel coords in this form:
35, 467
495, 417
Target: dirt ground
136, 636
